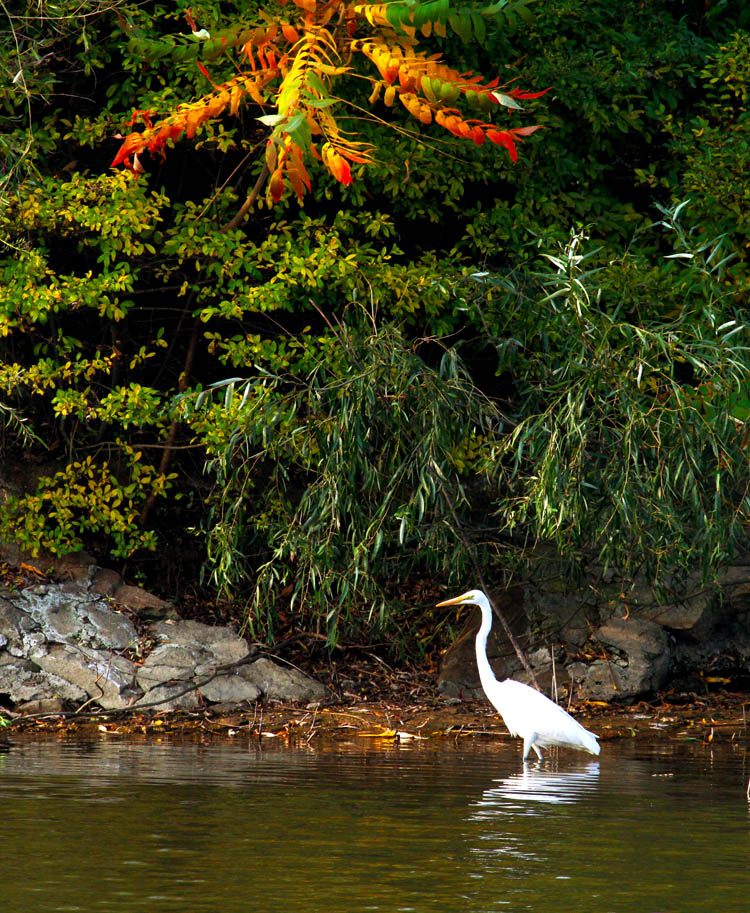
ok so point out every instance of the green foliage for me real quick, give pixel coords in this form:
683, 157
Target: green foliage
83, 500
414, 382
624, 448
616, 444
339, 471
715, 150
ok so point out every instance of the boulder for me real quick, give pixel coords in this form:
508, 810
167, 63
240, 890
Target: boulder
68, 643
217, 644
233, 688
60, 645
194, 654
145, 605
107, 678
22, 681
282, 683
638, 661
67, 613
167, 676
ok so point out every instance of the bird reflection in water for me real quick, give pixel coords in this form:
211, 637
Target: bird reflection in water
537, 783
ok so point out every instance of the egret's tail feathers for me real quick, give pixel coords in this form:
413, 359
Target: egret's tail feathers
590, 743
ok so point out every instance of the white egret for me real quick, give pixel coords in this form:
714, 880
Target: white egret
525, 711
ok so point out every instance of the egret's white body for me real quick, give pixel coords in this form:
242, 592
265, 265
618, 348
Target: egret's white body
525, 711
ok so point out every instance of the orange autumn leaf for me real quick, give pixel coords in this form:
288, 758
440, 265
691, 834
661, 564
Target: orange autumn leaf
276, 185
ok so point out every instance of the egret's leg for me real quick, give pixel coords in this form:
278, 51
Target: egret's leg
528, 743
538, 751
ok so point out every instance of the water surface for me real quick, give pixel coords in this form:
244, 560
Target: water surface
124, 826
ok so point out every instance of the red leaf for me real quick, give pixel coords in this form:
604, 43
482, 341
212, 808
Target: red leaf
477, 134
206, 74
526, 131
503, 138
132, 143
521, 93
340, 169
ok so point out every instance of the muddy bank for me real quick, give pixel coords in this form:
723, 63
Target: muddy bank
718, 718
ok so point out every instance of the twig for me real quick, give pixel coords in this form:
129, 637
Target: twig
554, 675
251, 198
312, 726
166, 456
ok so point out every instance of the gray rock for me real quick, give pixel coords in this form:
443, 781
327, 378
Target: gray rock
110, 629
60, 644
173, 696
231, 689
108, 679
168, 670
168, 677
220, 642
638, 661
18, 629
22, 681
282, 683
189, 652
43, 705
64, 642
68, 614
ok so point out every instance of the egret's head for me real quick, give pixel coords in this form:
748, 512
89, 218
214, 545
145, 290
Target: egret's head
474, 597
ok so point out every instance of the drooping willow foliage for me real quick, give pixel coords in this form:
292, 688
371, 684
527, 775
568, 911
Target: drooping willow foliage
359, 467
622, 442
631, 447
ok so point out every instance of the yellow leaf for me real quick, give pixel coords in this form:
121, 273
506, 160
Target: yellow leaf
236, 96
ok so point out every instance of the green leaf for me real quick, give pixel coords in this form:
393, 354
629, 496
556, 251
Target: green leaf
461, 25
480, 27
507, 100
272, 120
316, 83
318, 102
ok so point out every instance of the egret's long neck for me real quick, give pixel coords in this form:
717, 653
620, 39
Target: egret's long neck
486, 675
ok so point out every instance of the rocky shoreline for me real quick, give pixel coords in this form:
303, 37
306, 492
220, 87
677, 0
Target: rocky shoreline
92, 640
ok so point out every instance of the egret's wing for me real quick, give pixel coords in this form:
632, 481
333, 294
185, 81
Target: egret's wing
526, 710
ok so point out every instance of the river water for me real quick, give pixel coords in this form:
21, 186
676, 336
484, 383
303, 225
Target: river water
125, 827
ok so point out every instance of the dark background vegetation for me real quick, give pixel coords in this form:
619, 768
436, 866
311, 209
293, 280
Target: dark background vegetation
435, 370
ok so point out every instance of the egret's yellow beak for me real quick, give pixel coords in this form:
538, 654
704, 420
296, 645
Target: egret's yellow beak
457, 600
